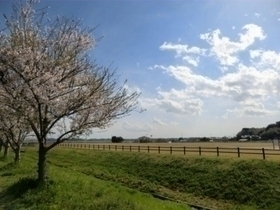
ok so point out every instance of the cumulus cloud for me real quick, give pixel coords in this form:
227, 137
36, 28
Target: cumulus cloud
226, 50
176, 101
191, 60
189, 54
249, 108
266, 59
246, 83
248, 86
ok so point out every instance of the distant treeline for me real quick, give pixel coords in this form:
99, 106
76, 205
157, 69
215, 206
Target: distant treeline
272, 131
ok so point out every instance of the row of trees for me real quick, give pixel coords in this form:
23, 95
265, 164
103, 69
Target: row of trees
49, 87
271, 131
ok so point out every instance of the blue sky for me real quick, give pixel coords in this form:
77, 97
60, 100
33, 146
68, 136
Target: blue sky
204, 68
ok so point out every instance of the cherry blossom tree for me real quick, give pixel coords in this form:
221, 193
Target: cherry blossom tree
13, 129
45, 68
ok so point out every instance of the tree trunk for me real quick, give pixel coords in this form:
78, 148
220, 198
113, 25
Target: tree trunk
17, 154
6, 149
42, 164
1, 145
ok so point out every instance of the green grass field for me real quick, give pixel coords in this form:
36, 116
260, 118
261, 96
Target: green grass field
69, 188
92, 179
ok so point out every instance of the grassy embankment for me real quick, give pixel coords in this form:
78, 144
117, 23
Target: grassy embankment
68, 188
220, 183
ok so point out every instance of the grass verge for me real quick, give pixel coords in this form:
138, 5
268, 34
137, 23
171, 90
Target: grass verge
69, 189
220, 183
87, 179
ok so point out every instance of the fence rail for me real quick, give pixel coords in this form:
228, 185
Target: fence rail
184, 150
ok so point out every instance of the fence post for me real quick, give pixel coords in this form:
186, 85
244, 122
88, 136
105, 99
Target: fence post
98, 146
89, 146
170, 149
130, 148
103, 147
138, 148
199, 150
122, 147
158, 149
218, 151
184, 150
148, 149
115, 147
238, 151
263, 153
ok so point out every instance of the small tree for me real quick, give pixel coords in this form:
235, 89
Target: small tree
44, 66
14, 128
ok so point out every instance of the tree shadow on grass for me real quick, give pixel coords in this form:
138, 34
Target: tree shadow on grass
3, 158
21, 187
15, 196
8, 166
15, 191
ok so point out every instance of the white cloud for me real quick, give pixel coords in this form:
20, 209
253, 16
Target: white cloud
257, 14
189, 54
252, 32
182, 49
176, 101
249, 108
158, 121
224, 69
264, 59
225, 50
249, 87
255, 53
132, 89
191, 60
246, 83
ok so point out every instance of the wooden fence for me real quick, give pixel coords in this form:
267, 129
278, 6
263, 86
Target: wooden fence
183, 150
